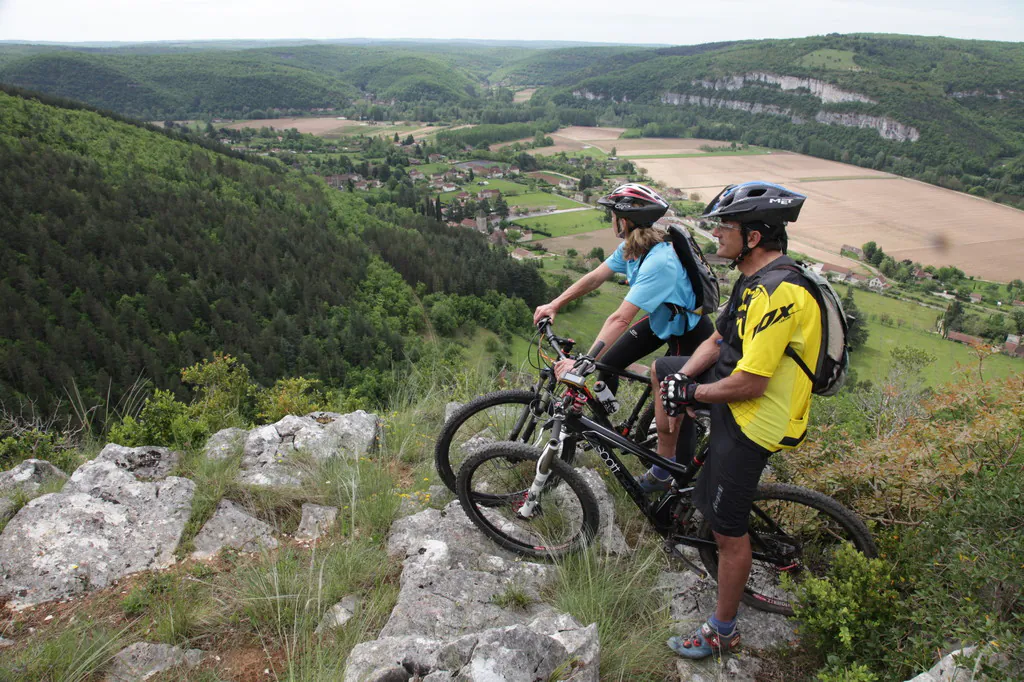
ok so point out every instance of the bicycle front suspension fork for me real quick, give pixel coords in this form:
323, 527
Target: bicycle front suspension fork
540, 479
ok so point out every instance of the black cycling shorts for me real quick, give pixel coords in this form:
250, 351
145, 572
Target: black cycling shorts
724, 490
639, 341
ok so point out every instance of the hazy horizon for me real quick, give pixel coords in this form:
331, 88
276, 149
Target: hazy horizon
660, 22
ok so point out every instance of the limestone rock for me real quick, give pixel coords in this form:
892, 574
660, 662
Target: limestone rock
232, 527
693, 598
373, 660
143, 462
104, 525
339, 614
267, 453
741, 667
225, 443
316, 520
608, 533
450, 409
27, 478
581, 644
949, 670
143, 660
450, 526
513, 654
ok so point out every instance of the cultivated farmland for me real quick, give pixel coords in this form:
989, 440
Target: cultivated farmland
847, 204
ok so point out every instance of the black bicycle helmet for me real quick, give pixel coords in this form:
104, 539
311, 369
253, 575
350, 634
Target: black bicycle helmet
756, 202
639, 203
761, 206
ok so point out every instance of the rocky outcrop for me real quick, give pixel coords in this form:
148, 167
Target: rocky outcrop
143, 660
316, 520
737, 105
824, 91
232, 527
105, 524
144, 462
886, 127
339, 614
595, 96
468, 610
26, 478
225, 443
269, 452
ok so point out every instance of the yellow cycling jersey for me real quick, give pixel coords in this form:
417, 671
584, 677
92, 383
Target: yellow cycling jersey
767, 312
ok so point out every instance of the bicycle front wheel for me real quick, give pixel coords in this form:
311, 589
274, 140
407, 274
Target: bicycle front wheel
499, 416
492, 487
793, 531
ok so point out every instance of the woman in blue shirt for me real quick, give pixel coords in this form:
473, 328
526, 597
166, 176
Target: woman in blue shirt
658, 285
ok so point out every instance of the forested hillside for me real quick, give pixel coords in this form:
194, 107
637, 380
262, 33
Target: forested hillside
949, 112
128, 252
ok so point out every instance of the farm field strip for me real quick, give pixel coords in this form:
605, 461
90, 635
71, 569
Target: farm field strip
907, 218
731, 152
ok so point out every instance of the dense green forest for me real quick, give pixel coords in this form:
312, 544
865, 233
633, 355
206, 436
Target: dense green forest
960, 99
128, 252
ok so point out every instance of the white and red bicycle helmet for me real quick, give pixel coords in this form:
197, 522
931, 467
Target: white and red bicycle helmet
639, 203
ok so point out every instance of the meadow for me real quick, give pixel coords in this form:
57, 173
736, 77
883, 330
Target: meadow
540, 199
562, 224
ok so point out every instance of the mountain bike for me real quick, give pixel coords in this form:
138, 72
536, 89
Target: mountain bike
532, 502
518, 414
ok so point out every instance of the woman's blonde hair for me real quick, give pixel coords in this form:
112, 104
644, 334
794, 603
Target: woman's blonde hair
641, 240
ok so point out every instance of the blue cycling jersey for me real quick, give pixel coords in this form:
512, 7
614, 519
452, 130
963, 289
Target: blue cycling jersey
660, 284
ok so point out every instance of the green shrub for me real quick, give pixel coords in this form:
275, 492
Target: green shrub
290, 396
32, 443
856, 672
844, 614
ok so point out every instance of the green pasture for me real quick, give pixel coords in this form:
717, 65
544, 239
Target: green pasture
903, 313
432, 168
507, 187
562, 224
538, 199
873, 360
592, 152
836, 60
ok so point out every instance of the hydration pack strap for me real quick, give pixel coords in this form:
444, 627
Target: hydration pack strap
821, 308
801, 364
674, 307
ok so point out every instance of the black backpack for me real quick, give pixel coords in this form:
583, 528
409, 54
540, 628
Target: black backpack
702, 277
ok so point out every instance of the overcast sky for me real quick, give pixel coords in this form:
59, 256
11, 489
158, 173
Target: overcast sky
676, 22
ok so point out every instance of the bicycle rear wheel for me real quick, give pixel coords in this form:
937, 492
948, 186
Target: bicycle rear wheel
492, 487
499, 416
795, 531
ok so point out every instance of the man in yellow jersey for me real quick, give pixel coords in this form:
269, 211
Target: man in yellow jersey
759, 397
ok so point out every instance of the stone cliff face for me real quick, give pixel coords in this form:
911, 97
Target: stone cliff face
592, 96
886, 127
826, 92
738, 105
